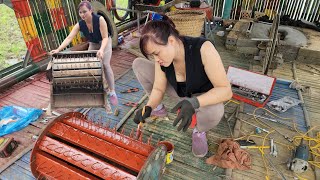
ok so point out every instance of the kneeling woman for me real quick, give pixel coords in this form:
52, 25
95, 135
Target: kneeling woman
190, 71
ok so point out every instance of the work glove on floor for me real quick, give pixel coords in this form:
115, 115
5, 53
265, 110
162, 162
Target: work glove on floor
140, 116
186, 108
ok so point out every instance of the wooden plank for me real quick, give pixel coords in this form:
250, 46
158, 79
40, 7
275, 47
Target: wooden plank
16, 157
25, 166
185, 164
16, 172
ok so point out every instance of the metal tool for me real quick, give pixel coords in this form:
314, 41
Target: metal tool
248, 142
275, 168
44, 121
131, 90
254, 147
140, 125
264, 130
299, 161
248, 93
229, 118
273, 148
7, 146
131, 104
272, 120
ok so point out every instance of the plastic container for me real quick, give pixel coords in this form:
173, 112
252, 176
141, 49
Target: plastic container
170, 149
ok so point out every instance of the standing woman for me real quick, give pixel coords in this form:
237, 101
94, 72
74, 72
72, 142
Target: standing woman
95, 29
190, 71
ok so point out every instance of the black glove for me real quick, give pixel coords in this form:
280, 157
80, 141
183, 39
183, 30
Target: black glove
187, 109
49, 74
140, 116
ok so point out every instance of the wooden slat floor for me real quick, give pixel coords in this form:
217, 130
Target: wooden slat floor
185, 166
307, 75
34, 92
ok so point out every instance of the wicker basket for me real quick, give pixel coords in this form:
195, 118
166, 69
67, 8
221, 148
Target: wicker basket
188, 22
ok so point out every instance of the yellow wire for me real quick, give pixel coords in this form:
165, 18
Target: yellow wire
313, 143
299, 177
235, 102
262, 155
282, 144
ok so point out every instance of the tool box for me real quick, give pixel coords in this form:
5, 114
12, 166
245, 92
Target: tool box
250, 87
7, 146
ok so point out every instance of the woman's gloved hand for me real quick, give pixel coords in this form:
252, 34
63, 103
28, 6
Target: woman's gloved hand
140, 116
186, 109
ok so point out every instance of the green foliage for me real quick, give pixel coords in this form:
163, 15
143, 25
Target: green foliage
121, 4
12, 45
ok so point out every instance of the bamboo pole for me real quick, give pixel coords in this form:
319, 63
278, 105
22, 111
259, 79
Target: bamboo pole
316, 10
35, 29
296, 10
302, 9
51, 21
75, 11
278, 6
233, 7
223, 6
58, 7
71, 15
317, 18
38, 14
261, 5
293, 8
247, 5
41, 27
288, 7
281, 7
310, 7
272, 9
307, 8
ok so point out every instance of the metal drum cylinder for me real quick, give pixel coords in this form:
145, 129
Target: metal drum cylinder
74, 147
78, 78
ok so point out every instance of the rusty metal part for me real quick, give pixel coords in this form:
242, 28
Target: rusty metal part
157, 160
73, 147
78, 81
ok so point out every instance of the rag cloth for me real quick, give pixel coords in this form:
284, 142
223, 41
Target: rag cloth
230, 155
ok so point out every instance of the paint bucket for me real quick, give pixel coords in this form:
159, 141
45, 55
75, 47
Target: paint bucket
170, 149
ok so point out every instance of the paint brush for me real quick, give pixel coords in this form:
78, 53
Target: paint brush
139, 130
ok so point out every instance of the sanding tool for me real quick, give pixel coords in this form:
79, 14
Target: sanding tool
299, 162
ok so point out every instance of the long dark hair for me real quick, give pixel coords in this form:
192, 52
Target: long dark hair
158, 32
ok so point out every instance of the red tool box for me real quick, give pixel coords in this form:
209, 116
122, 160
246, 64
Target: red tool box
250, 87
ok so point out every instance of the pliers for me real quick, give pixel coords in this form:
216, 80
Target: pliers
131, 90
131, 104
